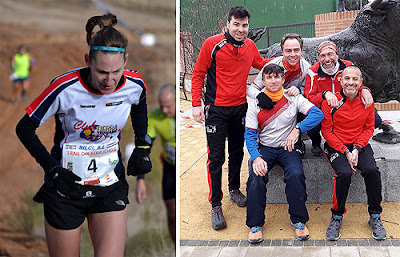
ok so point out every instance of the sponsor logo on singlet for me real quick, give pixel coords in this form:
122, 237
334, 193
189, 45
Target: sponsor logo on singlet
114, 103
88, 106
94, 132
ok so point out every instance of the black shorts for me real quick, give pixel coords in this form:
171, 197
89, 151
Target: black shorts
63, 213
169, 181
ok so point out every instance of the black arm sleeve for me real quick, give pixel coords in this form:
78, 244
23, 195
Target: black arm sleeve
26, 132
139, 117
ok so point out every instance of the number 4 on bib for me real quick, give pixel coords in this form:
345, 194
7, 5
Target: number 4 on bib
92, 165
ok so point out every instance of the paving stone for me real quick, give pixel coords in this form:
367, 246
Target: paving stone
260, 251
395, 242
352, 242
205, 251
298, 243
287, 242
266, 242
315, 251
232, 251
363, 242
183, 242
377, 251
330, 243
276, 242
345, 251
234, 243
186, 251
192, 243
394, 251
319, 242
245, 243
213, 243
294, 251
373, 242
308, 242
342, 242
224, 243
202, 243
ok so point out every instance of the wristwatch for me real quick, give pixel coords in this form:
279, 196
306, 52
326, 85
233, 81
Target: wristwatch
297, 126
323, 94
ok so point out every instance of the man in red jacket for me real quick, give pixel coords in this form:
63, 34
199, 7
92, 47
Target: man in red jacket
226, 59
347, 129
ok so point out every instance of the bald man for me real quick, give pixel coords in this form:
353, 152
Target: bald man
162, 122
347, 129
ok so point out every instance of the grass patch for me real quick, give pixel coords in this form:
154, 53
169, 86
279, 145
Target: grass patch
152, 237
28, 214
151, 242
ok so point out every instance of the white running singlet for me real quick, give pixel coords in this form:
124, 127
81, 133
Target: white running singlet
89, 123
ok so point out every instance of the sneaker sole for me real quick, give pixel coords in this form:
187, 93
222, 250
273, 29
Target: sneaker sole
255, 241
302, 238
333, 238
379, 238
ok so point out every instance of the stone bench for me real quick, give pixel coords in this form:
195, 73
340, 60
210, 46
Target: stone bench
319, 174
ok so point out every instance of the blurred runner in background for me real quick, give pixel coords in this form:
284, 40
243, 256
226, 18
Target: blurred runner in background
21, 64
162, 121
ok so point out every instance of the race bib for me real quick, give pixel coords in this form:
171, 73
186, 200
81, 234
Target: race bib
95, 164
170, 151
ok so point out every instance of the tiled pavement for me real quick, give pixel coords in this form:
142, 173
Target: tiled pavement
281, 247
287, 248
295, 251
288, 242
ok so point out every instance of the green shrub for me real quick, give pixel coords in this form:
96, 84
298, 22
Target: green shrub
28, 214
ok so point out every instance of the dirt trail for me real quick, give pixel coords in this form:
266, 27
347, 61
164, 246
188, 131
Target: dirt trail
54, 33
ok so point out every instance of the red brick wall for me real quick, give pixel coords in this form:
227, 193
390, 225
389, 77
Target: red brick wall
330, 23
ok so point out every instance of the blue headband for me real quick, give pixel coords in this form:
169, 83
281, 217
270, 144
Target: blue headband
108, 48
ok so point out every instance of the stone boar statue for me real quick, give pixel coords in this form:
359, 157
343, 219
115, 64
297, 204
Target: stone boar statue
372, 42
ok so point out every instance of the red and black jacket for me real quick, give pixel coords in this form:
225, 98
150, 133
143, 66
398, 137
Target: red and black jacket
227, 68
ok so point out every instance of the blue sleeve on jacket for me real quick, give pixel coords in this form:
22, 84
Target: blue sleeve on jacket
313, 118
250, 135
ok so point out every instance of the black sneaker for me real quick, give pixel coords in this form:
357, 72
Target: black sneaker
378, 231
237, 197
217, 218
316, 151
333, 231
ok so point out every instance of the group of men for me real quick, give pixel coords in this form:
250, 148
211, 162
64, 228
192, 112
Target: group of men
289, 97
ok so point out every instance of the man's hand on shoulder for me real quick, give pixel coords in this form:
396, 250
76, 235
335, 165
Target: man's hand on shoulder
366, 97
292, 91
331, 99
198, 113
